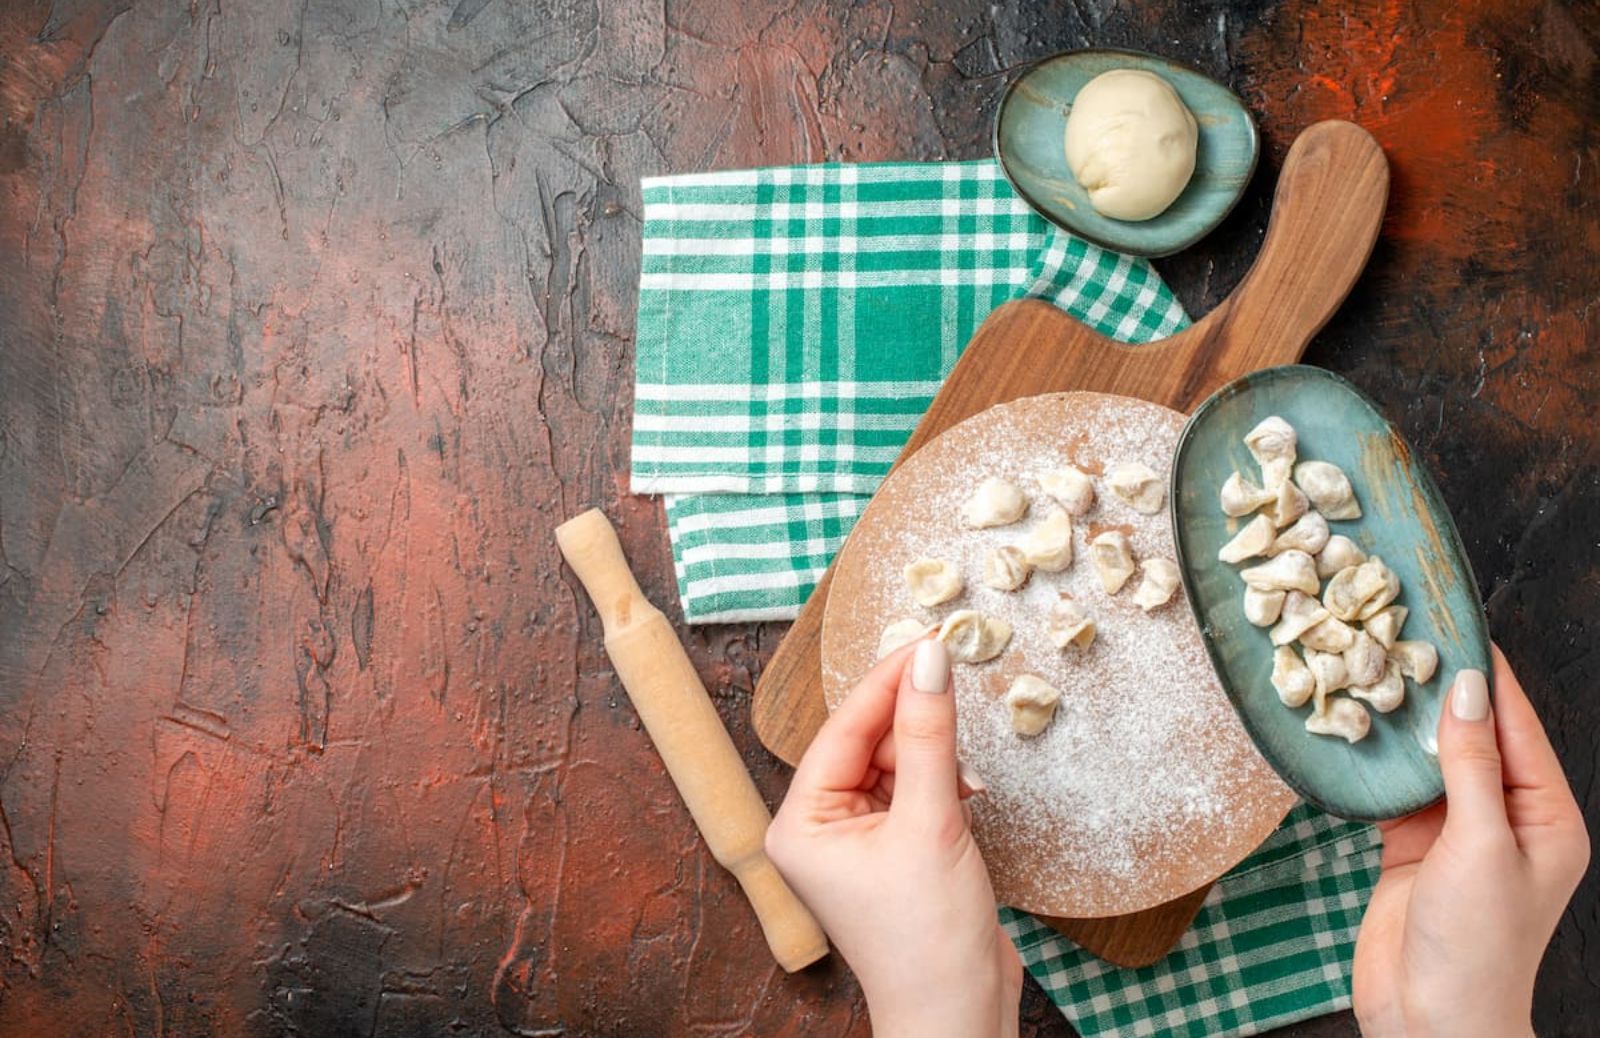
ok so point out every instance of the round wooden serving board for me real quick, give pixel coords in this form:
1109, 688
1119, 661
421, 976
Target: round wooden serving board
1146, 786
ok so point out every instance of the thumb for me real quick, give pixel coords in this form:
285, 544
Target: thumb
1469, 756
925, 738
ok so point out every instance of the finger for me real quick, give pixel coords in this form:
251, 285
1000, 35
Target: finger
885, 786
1539, 800
925, 738
883, 753
1470, 759
1530, 762
971, 782
1406, 840
842, 751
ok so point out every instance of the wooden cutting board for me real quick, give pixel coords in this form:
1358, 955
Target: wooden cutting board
1145, 785
1325, 216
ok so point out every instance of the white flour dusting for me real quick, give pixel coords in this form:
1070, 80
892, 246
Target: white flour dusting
1145, 760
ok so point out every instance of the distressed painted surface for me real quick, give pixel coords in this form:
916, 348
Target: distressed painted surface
315, 318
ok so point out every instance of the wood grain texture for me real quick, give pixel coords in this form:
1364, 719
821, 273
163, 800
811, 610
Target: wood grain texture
316, 318
1134, 940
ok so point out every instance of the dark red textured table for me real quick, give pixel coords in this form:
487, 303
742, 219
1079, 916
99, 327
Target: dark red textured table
316, 318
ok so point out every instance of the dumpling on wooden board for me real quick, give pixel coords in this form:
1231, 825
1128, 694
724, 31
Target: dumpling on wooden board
996, 502
933, 581
1112, 557
972, 637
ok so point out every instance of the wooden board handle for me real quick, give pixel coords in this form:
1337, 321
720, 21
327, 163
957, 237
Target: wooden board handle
1326, 212
689, 735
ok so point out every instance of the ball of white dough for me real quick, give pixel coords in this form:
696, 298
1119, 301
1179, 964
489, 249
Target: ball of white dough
1130, 143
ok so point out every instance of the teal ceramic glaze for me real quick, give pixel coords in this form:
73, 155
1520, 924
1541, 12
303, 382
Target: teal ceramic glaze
1030, 135
1393, 771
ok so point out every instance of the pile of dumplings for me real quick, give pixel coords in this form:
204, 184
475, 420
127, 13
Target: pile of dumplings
974, 637
1350, 629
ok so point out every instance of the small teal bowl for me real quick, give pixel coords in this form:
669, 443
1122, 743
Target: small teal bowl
1030, 134
1394, 770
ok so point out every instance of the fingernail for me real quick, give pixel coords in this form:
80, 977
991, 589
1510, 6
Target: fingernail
930, 668
1469, 696
970, 777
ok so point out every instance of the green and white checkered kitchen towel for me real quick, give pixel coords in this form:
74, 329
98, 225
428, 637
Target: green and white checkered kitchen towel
1272, 944
794, 324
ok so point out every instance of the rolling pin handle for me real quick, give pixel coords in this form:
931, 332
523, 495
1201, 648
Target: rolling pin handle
590, 545
792, 933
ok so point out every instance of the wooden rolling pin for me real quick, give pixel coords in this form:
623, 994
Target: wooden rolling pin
689, 735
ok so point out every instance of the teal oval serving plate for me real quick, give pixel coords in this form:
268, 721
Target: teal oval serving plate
1394, 770
1030, 135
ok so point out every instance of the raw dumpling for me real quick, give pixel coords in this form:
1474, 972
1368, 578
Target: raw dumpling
1072, 489
1329, 670
1342, 717
1386, 594
1291, 571
1339, 553
1291, 677
1295, 503
1352, 587
1272, 443
1331, 635
1385, 624
1006, 568
1033, 701
1160, 581
1388, 692
1309, 533
1417, 660
1263, 608
1048, 545
1254, 539
1328, 488
1364, 660
1067, 624
1240, 497
901, 632
1138, 485
1112, 557
972, 637
995, 503
1301, 612
1286, 506
933, 581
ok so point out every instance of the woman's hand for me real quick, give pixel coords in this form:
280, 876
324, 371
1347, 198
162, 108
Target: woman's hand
874, 838
1471, 890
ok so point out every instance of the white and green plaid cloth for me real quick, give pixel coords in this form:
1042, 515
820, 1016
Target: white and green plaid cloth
794, 325
1272, 944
